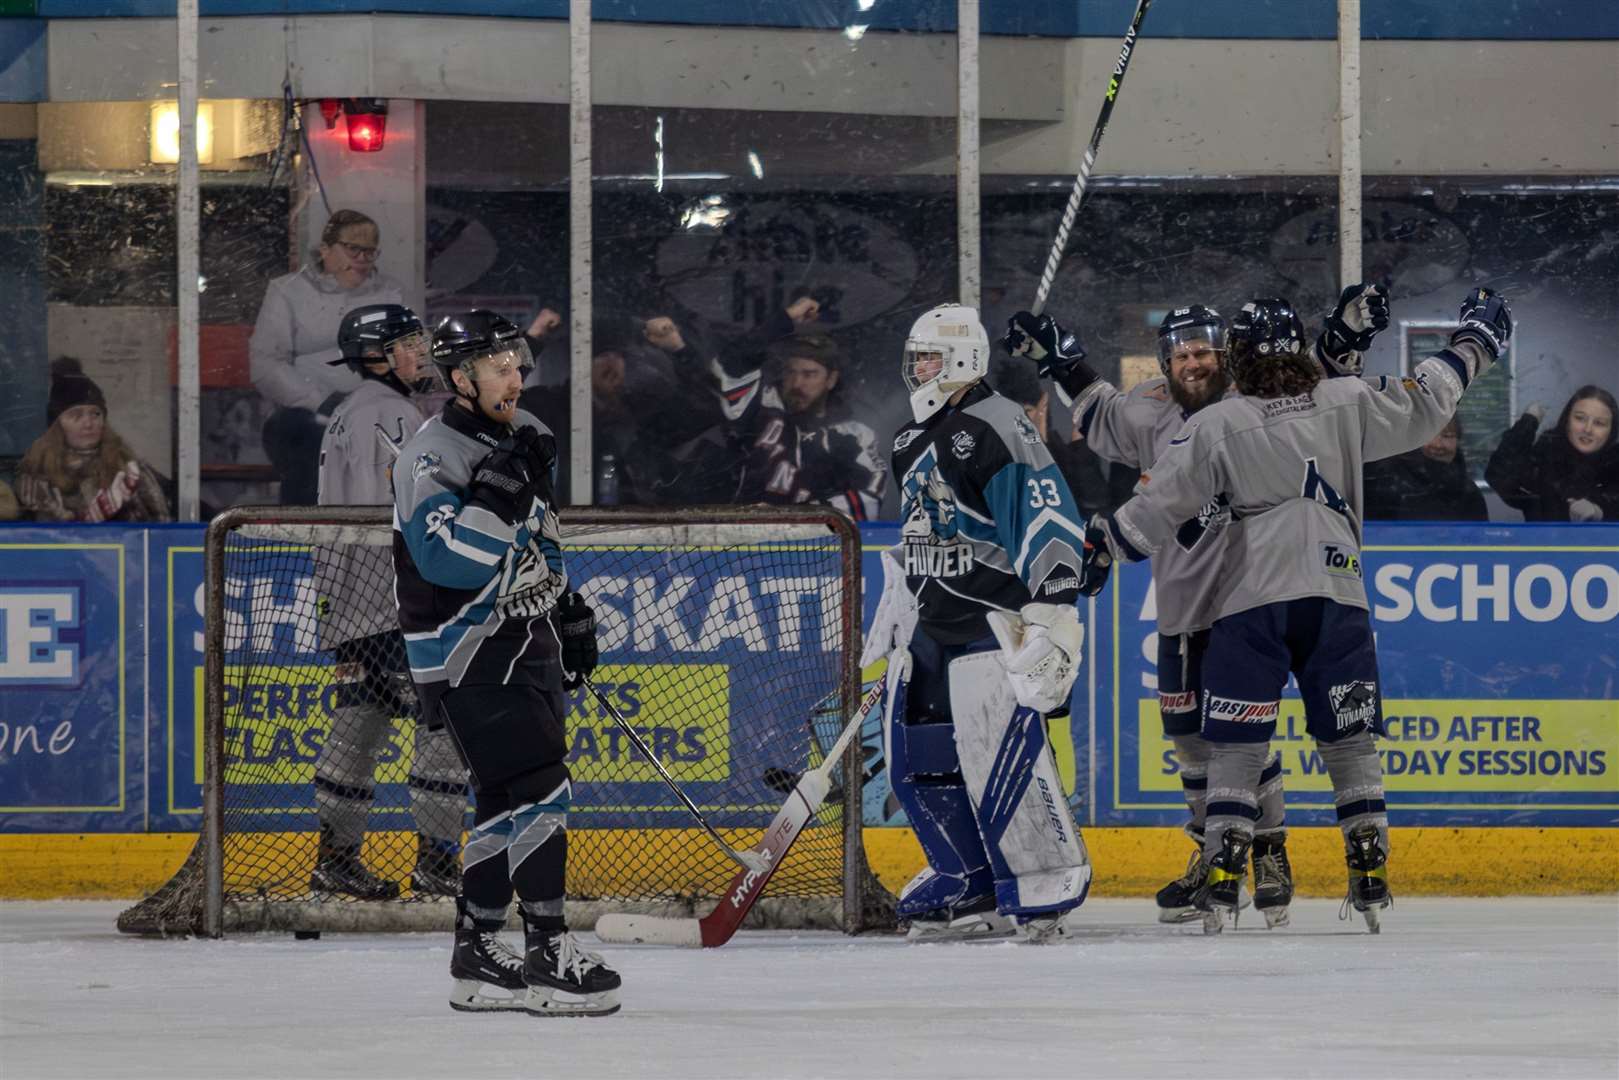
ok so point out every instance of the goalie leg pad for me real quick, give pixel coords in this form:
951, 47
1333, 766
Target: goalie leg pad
926, 778
1034, 845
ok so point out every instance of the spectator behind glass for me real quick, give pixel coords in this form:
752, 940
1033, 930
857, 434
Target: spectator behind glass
295, 338
80, 469
10, 510
1571, 473
1429, 483
1078, 464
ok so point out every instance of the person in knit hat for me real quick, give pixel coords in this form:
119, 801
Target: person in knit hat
80, 469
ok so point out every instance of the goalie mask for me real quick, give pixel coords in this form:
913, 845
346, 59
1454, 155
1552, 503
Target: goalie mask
460, 341
1264, 330
947, 349
1190, 328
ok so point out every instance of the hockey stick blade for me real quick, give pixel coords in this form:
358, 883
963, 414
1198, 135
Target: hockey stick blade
717, 927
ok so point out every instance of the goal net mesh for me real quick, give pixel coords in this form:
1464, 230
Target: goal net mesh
728, 639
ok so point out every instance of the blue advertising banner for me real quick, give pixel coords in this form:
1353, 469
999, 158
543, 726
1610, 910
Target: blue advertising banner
1498, 646
1498, 650
71, 693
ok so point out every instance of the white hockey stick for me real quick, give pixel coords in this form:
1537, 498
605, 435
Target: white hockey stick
716, 928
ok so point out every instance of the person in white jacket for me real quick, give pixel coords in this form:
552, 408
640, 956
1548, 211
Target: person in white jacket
292, 345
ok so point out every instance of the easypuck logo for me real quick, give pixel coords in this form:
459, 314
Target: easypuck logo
1234, 711
1185, 701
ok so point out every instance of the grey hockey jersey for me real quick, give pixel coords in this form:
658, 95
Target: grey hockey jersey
1134, 428
475, 594
357, 454
988, 521
1291, 470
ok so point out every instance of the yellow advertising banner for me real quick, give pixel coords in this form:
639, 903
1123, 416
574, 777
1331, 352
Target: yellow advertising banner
277, 718
1476, 747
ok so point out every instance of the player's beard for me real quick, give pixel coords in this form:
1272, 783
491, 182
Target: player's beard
1210, 390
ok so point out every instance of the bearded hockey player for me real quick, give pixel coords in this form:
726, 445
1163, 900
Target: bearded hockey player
386, 345
494, 637
1287, 457
1133, 429
982, 637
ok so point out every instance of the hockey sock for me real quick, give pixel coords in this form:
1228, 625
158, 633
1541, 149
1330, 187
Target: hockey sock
1234, 770
485, 880
1272, 807
438, 787
538, 856
1357, 784
343, 772
1192, 753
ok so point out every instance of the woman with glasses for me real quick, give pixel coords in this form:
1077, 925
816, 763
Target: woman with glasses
293, 344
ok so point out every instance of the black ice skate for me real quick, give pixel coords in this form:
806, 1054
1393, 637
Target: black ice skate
437, 871
1273, 879
564, 979
1368, 876
1177, 901
1221, 895
488, 973
339, 872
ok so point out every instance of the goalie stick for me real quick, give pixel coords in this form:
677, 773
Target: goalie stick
1053, 260
751, 862
716, 928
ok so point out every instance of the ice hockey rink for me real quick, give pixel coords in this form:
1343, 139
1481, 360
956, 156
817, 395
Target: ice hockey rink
1485, 987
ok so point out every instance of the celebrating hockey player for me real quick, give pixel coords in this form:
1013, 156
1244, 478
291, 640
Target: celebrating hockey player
1133, 429
386, 345
988, 557
494, 637
1287, 458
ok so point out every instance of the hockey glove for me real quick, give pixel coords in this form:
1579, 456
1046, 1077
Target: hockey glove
541, 451
895, 621
576, 626
504, 483
1097, 561
1041, 648
1486, 322
1362, 313
1058, 352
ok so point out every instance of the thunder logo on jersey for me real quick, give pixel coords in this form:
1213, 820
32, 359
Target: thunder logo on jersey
930, 519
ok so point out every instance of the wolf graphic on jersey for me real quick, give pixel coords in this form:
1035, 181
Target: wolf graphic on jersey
988, 523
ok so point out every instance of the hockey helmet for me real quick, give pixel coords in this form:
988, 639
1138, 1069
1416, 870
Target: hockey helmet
1190, 326
460, 341
1265, 329
373, 332
946, 350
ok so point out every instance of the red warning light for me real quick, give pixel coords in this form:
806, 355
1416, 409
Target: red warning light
367, 132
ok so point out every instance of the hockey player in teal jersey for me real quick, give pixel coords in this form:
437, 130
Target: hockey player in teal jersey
979, 625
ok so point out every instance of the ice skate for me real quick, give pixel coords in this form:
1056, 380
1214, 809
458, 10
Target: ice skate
1221, 895
1045, 929
1368, 877
339, 872
978, 921
1177, 901
564, 978
437, 871
1273, 880
488, 973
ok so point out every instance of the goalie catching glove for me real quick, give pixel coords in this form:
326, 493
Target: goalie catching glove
1040, 647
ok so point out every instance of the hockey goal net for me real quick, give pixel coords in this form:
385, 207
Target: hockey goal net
729, 638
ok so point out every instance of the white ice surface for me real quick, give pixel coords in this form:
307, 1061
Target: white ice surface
1520, 988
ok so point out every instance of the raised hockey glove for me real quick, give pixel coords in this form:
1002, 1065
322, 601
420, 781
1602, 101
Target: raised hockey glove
504, 483
1057, 352
1486, 321
1041, 649
576, 626
1362, 313
1097, 561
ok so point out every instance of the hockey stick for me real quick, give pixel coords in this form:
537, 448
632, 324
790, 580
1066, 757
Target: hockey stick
751, 862
1053, 260
716, 928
